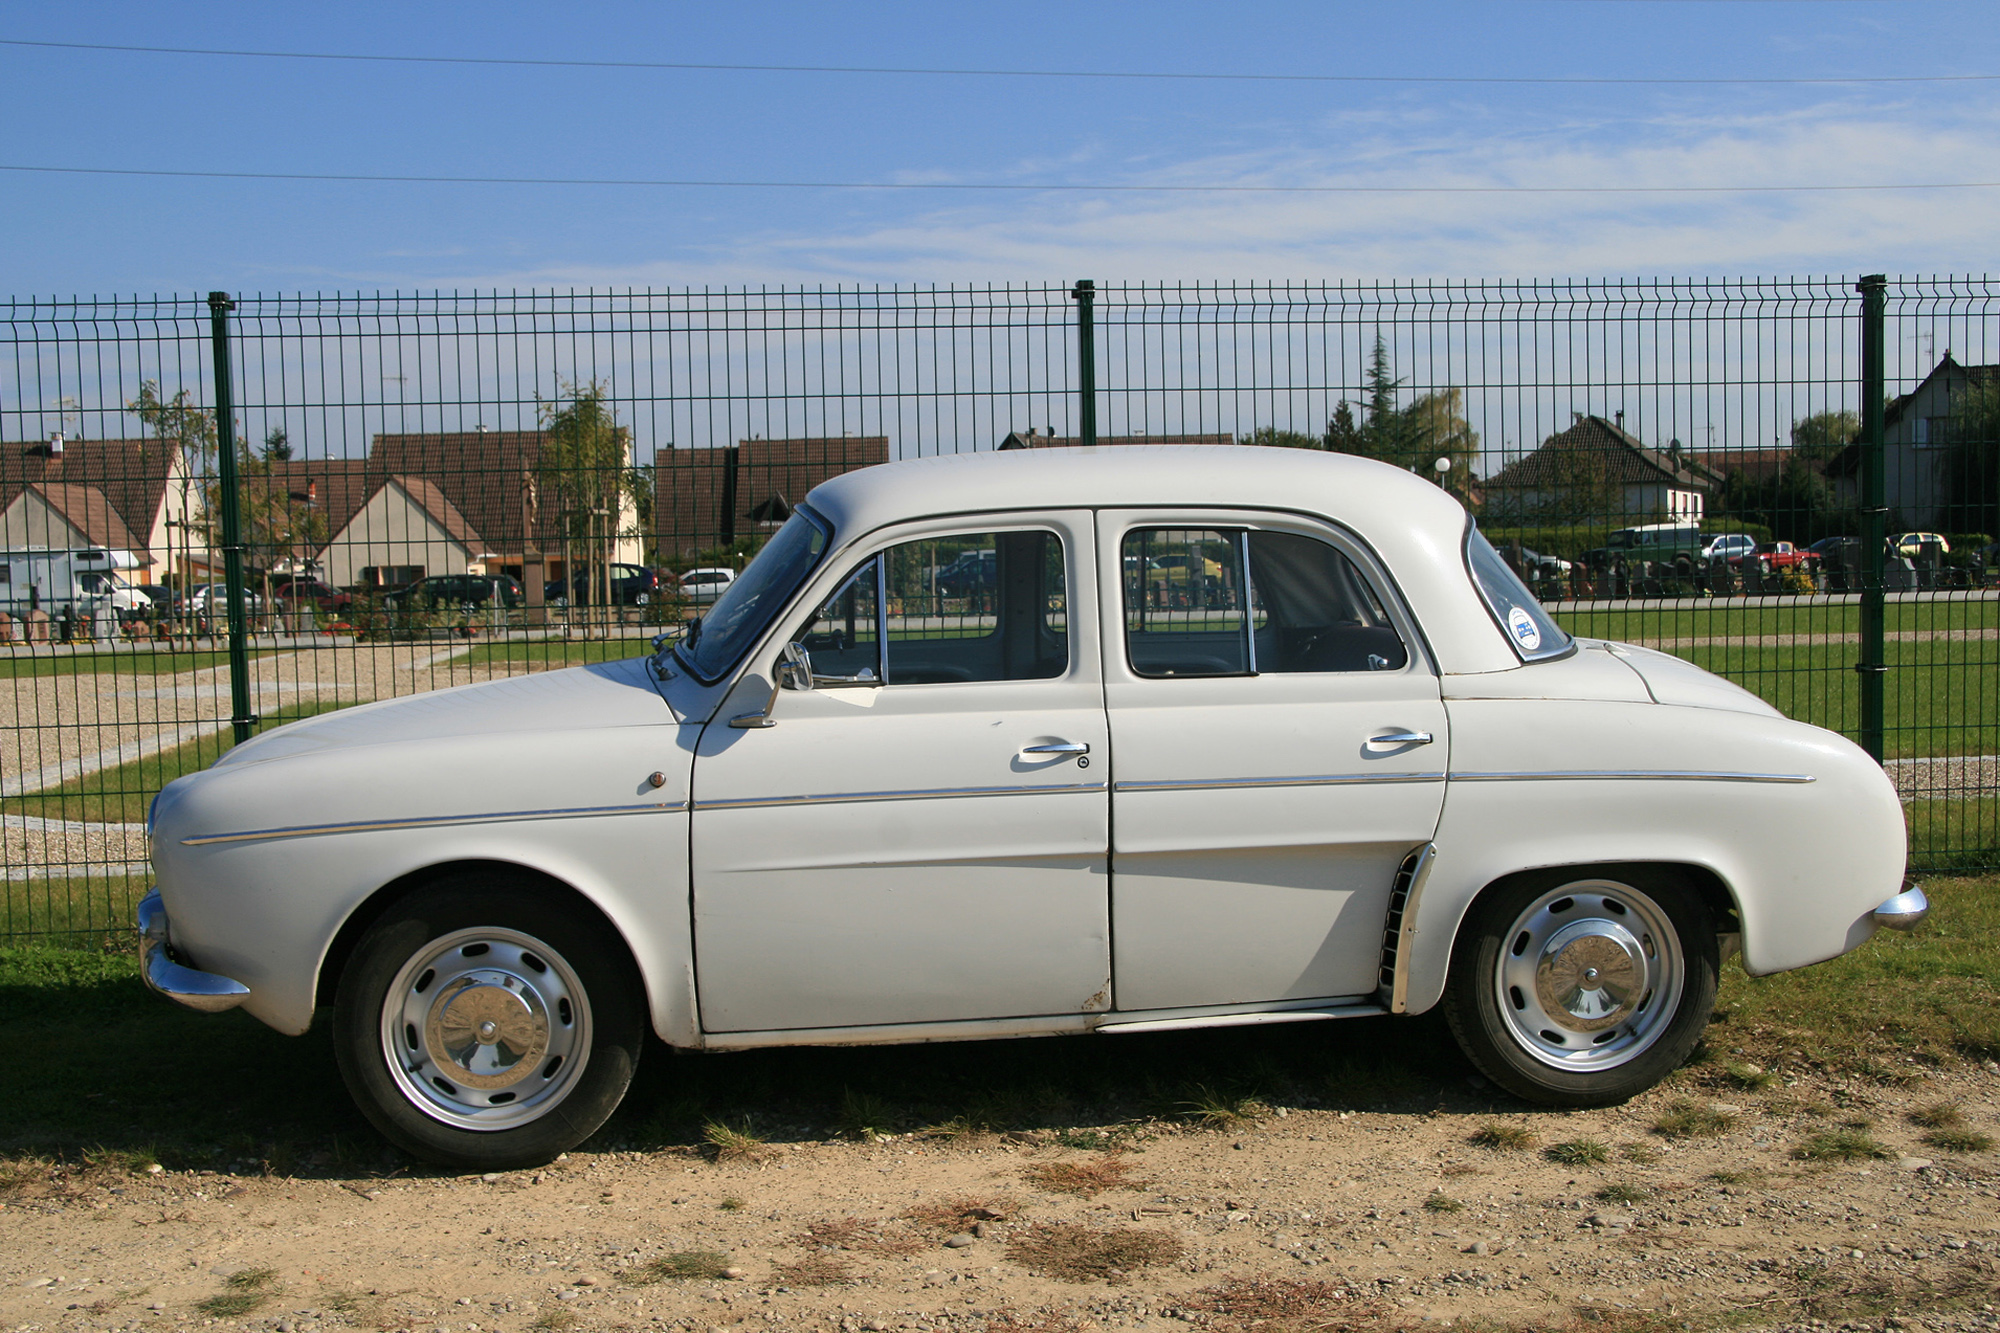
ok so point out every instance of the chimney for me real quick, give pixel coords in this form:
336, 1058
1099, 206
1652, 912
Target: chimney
1620, 414
312, 493
55, 444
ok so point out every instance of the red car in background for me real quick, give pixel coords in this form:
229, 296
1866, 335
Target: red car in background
1773, 557
293, 591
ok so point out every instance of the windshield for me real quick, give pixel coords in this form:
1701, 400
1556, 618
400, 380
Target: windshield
746, 605
1535, 636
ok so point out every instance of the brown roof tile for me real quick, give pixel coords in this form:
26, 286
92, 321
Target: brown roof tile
132, 475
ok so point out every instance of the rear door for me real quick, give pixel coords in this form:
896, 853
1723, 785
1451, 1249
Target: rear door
1280, 747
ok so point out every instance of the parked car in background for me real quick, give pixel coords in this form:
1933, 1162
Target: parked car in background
631, 585
503, 889
1912, 544
212, 599
972, 572
1775, 557
457, 590
1730, 547
1656, 544
315, 592
702, 586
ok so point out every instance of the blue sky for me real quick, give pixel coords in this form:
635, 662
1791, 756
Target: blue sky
103, 234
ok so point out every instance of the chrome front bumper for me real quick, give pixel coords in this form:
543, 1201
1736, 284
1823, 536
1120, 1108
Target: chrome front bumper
205, 991
1905, 910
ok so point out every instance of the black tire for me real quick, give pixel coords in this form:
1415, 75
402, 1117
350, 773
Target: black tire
523, 1016
1517, 1002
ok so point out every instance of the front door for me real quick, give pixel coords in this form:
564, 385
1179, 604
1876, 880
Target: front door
921, 838
1280, 745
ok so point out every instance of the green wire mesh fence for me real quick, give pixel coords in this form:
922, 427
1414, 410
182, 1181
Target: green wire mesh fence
436, 489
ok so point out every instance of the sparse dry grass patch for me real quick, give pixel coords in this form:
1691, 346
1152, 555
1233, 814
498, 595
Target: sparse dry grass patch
1959, 1140
1086, 1178
733, 1143
679, 1266
555, 1321
1840, 1145
1283, 1305
1938, 1115
816, 1270
248, 1290
1211, 1109
1578, 1152
852, 1233
1686, 1118
951, 1216
1503, 1137
1624, 1193
1071, 1252
1439, 1202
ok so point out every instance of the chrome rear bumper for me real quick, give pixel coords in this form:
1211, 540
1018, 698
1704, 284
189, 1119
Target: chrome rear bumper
1905, 910
205, 991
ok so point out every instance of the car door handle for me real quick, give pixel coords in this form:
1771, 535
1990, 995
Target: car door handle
1058, 747
1401, 738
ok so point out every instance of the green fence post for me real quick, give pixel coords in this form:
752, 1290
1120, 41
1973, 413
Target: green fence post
1874, 513
1085, 293
241, 718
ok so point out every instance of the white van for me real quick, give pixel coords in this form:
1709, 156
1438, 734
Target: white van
84, 579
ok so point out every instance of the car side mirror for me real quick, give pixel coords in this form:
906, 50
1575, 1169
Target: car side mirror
792, 672
795, 668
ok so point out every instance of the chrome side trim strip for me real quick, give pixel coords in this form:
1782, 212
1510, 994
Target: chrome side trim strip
924, 794
436, 821
1633, 775
1322, 780
1349, 1009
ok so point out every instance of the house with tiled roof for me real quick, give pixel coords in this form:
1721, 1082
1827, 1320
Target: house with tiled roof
1916, 447
1597, 469
124, 495
705, 498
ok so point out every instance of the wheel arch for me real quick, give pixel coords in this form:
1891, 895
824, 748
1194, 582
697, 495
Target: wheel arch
365, 914
1433, 915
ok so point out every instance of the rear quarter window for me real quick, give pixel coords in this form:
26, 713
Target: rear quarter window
1533, 632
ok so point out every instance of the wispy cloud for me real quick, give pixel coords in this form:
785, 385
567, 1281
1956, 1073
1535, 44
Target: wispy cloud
1200, 236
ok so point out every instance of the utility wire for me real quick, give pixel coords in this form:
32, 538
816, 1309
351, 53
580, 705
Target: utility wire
1010, 187
930, 71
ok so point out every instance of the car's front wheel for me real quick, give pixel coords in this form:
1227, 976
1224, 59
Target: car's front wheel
484, 1023
1583, 991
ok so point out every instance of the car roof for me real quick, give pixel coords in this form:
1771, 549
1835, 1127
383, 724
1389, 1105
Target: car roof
1416, 528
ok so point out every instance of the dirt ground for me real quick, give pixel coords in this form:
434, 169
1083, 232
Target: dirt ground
1691, 1208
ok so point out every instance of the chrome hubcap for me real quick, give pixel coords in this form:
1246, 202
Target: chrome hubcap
486, 1028
1590, 975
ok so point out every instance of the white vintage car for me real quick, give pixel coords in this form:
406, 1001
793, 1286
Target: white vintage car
1354, 770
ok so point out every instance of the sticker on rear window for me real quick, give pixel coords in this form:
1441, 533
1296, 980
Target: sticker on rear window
1526, 632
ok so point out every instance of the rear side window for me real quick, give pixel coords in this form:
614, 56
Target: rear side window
1534, 634
1235, 602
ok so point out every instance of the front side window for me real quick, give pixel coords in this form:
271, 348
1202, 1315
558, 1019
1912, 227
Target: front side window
977, 607
748, 603
1232, 602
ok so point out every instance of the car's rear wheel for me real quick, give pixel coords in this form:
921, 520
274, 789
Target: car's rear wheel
1583, 991
485, 1023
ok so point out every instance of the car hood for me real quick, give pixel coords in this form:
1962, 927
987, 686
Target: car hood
585, 698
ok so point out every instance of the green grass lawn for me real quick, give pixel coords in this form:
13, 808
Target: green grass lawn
557, 652
120, 795
1728, 616
150, 662
83, 910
